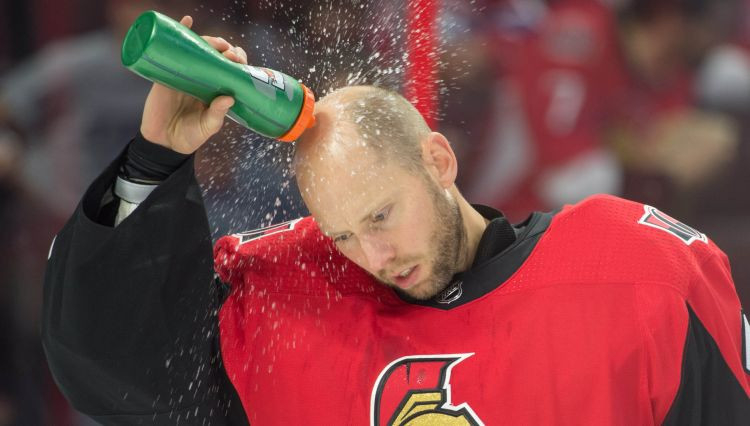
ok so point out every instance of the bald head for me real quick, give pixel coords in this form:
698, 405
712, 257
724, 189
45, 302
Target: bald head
356, 119
382, 186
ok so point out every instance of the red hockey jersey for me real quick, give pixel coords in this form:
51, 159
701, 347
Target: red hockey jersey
610, 312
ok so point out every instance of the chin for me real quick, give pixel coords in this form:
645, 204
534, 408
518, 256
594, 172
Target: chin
419, 295
423, 290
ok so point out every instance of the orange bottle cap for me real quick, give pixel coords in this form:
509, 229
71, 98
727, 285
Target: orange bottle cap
305, 120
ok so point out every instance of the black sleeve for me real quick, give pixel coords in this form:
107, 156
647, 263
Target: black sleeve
129, 323
709, 393
148, 162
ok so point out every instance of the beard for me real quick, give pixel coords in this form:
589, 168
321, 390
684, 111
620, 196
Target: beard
447, 243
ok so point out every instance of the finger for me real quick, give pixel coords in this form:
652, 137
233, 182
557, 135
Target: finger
187, 21
213, 117
218, 43
222, 103
242, 54
236, 54
231, 54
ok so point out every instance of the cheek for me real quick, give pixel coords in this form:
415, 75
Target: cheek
353, 253
358, 257
415, 234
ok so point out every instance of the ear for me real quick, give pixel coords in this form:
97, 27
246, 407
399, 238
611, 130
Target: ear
440, 159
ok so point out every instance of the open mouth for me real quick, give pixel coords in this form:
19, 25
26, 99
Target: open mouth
407, 277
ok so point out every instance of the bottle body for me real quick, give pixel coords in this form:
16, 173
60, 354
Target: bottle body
268, 102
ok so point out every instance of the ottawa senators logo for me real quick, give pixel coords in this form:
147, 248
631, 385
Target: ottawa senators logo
416, 391
660, 220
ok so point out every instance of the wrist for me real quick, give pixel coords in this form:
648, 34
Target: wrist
148, 162
156, 138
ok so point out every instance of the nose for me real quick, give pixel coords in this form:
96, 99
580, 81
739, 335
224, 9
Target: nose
377, 252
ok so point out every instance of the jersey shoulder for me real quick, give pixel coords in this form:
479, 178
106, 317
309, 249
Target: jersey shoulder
628, 222
293, 257
614, 239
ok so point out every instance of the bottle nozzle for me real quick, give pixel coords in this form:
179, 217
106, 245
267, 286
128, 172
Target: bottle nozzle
305, 119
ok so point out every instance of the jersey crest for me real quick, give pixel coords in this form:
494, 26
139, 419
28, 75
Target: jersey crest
416, 390
451, 293
660, 220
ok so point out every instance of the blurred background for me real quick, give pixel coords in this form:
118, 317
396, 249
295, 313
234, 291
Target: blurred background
545, 103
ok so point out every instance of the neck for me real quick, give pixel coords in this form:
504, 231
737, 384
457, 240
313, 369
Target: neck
474, 225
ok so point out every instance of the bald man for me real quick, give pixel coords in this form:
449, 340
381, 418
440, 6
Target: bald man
396, 303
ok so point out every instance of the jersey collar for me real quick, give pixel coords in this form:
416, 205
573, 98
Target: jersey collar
501, 251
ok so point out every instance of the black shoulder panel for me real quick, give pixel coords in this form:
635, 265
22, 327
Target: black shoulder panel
129, 321
709, 393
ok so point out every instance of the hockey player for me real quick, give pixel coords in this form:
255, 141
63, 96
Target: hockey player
396, 303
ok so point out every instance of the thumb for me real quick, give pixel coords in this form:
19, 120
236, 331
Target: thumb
213, 117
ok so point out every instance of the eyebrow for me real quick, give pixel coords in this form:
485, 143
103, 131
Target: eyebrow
380, 206
365, 218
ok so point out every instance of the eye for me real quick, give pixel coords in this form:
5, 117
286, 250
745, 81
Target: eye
381, 215
341, 238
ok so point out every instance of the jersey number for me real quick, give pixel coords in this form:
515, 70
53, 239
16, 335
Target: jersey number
660, 220
246, 237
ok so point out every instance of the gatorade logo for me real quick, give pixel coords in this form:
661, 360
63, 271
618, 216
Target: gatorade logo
270, 77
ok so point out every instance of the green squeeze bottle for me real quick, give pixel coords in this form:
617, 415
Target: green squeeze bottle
268, 102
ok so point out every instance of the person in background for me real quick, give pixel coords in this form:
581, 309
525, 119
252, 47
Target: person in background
61, 100
588, 96
59, 109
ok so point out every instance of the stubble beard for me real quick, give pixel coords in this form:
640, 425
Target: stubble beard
448, 243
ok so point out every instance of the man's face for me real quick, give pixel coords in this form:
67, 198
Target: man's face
401, 227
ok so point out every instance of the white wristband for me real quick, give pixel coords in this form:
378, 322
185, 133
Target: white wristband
132, 192
124, 210
131, 195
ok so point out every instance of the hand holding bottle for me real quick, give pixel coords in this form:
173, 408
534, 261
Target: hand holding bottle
181, 122
211, 70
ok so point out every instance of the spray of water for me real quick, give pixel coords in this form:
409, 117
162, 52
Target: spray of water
246, 179
326, 44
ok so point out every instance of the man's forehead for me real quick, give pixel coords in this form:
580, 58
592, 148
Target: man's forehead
342, 154
347, 182
347, 213
340, 197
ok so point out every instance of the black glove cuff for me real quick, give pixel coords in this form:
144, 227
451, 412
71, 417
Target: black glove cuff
147, 162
